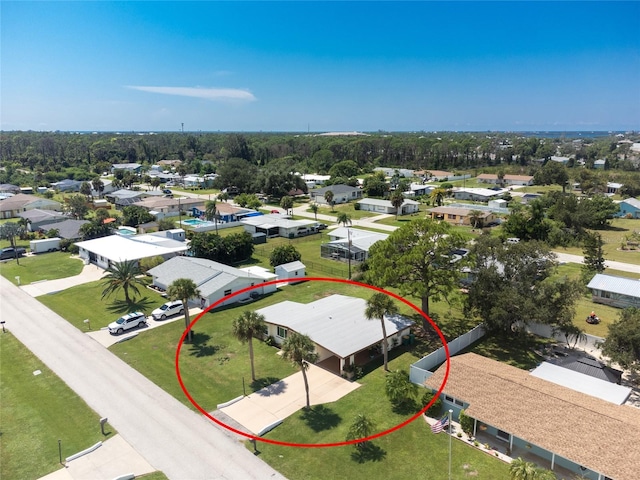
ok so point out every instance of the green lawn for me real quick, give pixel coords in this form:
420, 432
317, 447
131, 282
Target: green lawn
405, 452
346, 208
46, 266
84, 302
518, 351
37, 410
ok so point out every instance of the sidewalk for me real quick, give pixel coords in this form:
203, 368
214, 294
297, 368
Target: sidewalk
114, 458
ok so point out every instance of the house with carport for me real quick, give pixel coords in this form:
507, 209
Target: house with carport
214, 280
477, 194
353, 242
341, 194
508, 179
384, 206
573, 433
462, 216
274, 225
337, 325
620, 292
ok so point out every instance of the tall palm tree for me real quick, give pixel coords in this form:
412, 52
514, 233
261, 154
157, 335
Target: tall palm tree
300, 351
379, 305
397, 199
210, 212
244, 328
474, 217
314, 209
122, 275
183, 289
343, 218
328, 197
437, 196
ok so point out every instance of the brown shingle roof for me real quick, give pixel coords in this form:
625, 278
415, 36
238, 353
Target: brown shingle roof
599, 435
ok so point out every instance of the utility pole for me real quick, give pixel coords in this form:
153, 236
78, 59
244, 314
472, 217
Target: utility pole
182, 127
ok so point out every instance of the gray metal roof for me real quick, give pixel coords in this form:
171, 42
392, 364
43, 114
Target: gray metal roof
336, 322
634, 202
69, 229
619, 285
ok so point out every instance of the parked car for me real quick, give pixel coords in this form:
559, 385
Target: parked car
168, 309
166, 191
127, 322
322, 226
10, 252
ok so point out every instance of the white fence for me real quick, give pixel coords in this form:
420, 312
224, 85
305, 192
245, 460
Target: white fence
421, 370
589, 342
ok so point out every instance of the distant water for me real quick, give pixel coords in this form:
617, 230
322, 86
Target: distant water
582, 134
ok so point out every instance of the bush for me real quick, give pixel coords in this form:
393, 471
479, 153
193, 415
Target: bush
356, 206
435, 409
466, 422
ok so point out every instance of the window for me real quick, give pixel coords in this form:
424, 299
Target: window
451, 216
282, 332
458, 402
448, 398
227, 293
502, 435
604, 294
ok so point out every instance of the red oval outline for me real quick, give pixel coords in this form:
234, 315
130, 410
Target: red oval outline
313, 445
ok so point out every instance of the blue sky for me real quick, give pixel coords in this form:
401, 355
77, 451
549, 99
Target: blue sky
323, 66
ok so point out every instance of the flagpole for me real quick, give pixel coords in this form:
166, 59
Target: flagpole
450, 413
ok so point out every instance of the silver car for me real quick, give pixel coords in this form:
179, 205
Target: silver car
168, 309
127, 322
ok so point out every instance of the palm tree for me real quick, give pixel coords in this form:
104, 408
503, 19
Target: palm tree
474, 217
244, 328
361, 427
286, 202
343, 218
122, 275
314, 208
379, 305
397, 199
328, 196
210, 212
300, 351
183, 289
522, 470
437, 195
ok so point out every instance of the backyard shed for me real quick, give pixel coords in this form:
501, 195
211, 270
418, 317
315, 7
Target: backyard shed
291, 270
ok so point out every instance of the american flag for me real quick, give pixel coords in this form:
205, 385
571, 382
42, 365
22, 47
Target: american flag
440, 424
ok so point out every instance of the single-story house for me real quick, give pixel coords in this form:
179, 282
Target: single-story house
384, 206
9, 188
214, 280
127, 167
614, 291
69, 229
477, 194
461, 216
613, 187
107, 187
492, 178
564, 428
418, 189
292, 270
437, 175
169, 207
344, 240
274, 225
629, 206
599, 164
559, 159
198, 181
390, 172
125, 197
226, 213
106, 251
67, 185
312, 179
342, 334
341, 194
10, 207
37, 218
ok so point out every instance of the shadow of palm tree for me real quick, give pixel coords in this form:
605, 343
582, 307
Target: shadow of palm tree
368, 452
261, 383
273, 389
144, 304
320, 417
199, 347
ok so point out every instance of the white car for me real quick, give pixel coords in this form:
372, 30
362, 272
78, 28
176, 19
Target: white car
168, 309
128, 321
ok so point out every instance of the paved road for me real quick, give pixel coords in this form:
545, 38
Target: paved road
625, 267
172, 438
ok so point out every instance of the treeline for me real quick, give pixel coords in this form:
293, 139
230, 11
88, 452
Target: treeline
49, 157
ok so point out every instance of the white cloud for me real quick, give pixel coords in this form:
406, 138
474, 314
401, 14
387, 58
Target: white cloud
199, 92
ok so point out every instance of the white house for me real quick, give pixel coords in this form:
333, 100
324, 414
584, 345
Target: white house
477, 194
274, 225
615, 291
106, 251
341, 194
344, 240
127, 167
384, 206
492, 178
214, 280
292, 270
600, 164
337, 324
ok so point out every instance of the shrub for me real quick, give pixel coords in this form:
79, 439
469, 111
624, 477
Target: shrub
466, 422
435, 409
356, 206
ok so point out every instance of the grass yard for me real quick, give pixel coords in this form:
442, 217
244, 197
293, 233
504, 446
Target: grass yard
346, 208
84, 302
518, 351
405, 452
46, 266
37, 410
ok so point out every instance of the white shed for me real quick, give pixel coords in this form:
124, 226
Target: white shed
291, 270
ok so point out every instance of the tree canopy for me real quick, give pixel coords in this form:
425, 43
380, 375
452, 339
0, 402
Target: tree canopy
622, 344
283, 254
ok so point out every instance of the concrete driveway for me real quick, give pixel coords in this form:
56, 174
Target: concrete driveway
104, 338
281, 399
90, 273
